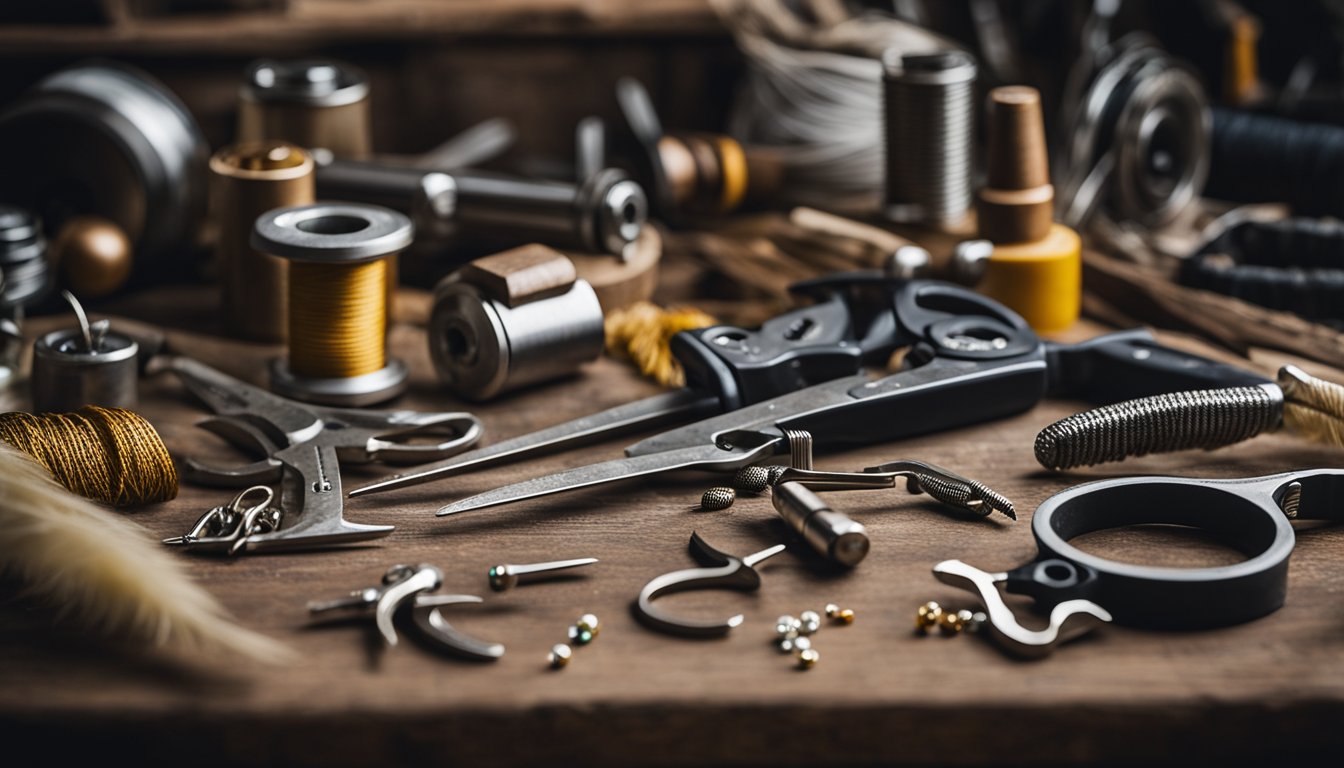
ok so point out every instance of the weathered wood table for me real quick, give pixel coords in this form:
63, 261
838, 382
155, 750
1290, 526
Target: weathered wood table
880, 694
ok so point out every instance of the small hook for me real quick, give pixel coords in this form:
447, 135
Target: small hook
228, 527
1068, 619
724, 572
400, 583
431, 623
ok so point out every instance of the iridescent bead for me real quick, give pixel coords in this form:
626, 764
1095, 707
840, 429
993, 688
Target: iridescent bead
559, 656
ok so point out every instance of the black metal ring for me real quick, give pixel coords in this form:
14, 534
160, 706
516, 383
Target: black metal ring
1241, 513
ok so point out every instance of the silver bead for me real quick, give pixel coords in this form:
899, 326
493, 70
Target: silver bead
753, 479
787, 626
976, 621
810, 621
802, 643
785, 644
717, 498
559, 656
808, 658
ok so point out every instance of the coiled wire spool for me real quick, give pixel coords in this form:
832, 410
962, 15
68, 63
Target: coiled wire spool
337, 300
1137, 137
23, 263
929, 113
310, 102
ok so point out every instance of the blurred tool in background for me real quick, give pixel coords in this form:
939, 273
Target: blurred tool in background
107, 140
89, 364
315, 103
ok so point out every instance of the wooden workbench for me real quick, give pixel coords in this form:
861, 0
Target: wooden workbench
880, 694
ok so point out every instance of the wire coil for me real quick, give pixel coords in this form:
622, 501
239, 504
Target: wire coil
929, 112
337, 318
106, 454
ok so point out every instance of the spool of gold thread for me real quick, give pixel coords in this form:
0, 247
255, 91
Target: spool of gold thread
106, 454
338, 264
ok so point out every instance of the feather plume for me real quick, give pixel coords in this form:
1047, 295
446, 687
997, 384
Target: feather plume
104, 572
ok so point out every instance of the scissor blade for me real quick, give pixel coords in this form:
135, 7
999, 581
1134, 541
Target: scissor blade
701, 456
681, 405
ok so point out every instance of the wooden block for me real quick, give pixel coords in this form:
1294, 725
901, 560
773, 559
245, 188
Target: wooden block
622, 283
521, 275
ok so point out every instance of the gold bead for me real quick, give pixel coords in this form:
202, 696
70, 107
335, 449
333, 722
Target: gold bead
808, 659
952, 622
927, 616
846, 616
559, 656
589, 623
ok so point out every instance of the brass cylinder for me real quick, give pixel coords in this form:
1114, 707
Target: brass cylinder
248, 180
313, 103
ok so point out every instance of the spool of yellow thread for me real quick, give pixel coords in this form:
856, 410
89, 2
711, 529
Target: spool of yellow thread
1040, 280
337, 300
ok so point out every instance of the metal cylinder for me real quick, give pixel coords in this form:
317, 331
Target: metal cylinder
310, 102
107, 140
929, 114
831, 534
67, 375
250, 179
604, 214
482, 348
337, 343
23, 259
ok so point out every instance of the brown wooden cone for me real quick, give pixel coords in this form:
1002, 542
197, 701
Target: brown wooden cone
1017, 202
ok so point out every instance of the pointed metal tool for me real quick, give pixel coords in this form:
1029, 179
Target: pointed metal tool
429, 621
506, 576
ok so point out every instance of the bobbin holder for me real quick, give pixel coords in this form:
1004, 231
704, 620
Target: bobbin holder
1080, 590
300, 447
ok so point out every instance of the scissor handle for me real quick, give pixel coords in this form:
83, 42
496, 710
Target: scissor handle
465, 428
1250, 514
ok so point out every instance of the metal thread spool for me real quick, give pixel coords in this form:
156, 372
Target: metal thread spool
108, 140
69, 372
484, 343
250, 179
310, 102
929, 112
23, 250
337, 300
1138, 141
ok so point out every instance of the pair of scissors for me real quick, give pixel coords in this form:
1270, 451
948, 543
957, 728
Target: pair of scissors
1080, 590
300, 448
970, 360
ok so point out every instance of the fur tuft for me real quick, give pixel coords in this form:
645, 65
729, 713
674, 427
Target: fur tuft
105, 572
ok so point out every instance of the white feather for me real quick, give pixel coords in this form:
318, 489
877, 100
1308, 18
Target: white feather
105, 572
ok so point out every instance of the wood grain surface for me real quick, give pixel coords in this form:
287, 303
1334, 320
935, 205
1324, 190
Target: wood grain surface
880, 694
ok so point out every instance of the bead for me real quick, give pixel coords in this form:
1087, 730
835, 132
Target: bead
500, 578
776, 471
802, 643
846, 616
580, 636
928, 615
810, 621
559, 656
977, 621
785, 644
717, 498
832, 610
753, 479
952, 622
787, 626
589, 622
808, 659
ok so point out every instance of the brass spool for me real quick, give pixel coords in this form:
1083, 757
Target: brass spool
337, 300
249, 179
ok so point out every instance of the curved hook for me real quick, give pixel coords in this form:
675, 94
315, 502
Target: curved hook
431, 623
723, 571
1068, 619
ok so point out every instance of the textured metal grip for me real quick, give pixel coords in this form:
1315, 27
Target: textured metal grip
1159, 424
963, 493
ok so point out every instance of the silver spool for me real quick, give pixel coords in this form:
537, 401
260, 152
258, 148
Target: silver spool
68, 374
481, 347
929, 114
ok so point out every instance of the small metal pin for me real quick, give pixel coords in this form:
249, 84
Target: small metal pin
507, 576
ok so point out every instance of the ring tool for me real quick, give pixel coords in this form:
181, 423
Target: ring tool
720, 571
1081, 590
301, 448
405, 588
